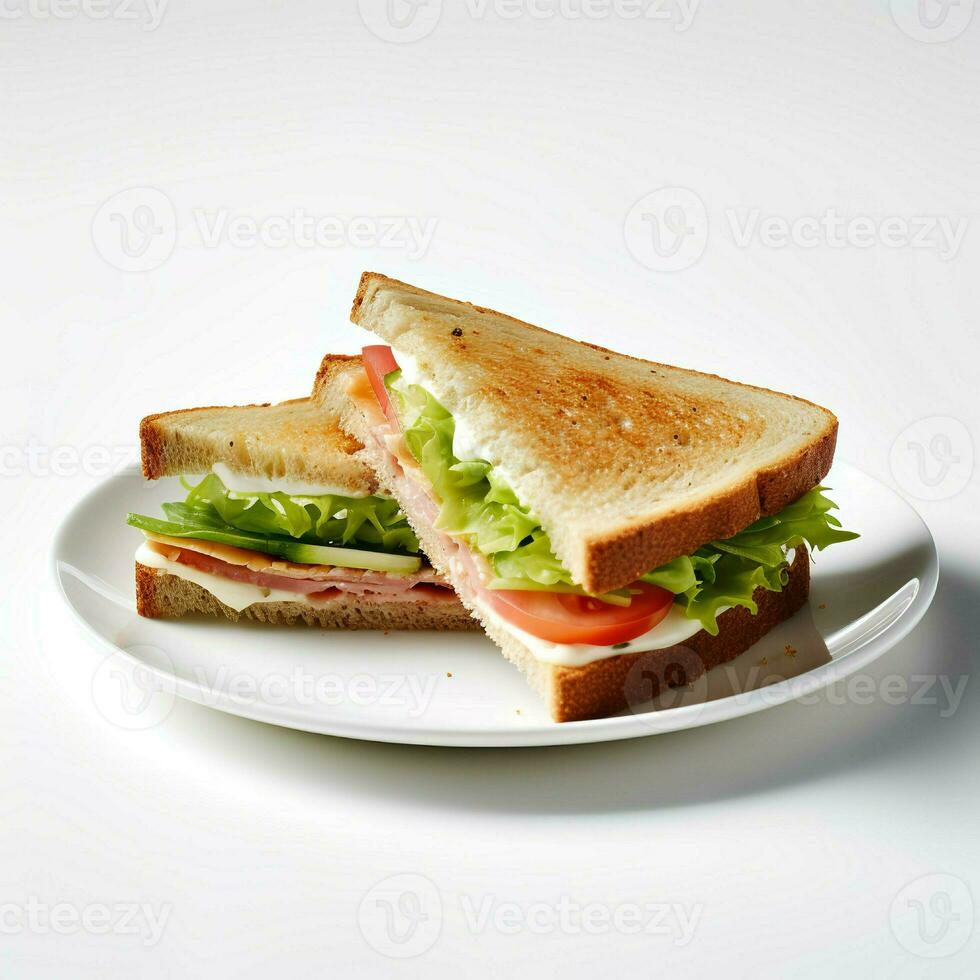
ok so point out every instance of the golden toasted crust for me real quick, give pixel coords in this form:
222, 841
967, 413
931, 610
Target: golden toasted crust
684, 531
630, 680
627, 463
160, 594
331, 367
155, 433
330, 388
294, 440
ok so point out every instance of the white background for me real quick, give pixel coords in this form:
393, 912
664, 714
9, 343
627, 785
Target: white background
527, 140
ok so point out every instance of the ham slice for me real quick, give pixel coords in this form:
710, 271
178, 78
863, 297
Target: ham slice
470, 570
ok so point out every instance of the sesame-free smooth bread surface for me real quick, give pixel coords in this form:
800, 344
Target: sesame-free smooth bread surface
294, 440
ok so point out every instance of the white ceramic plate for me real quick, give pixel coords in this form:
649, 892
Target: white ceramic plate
456, 689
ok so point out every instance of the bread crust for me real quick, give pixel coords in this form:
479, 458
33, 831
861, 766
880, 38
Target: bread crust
331, 367
162, 595
294, 439
615, 556
627, 463
153, 437
330, 389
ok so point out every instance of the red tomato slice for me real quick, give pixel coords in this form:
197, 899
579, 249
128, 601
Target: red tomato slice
379, 361
561, 617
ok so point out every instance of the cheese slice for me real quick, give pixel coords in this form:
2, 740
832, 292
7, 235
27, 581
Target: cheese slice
256, 561
237, 595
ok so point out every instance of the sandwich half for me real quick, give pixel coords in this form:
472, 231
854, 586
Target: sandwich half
282, 523
616, 525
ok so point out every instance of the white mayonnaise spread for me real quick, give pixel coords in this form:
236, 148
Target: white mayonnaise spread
241, 483
465, 444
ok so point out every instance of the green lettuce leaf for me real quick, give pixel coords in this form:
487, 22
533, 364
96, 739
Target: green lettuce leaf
477, 505
265, 521
205, 528
326, 519
683, 573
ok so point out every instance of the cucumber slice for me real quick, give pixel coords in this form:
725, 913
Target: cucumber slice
322, 554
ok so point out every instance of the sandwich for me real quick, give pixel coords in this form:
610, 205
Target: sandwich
617, 526
282, 522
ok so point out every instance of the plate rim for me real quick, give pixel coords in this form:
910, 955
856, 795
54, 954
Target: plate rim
617, 728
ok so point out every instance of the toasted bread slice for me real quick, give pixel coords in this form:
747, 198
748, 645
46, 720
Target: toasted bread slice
160, 594
627, 463
293, 440
609, 685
